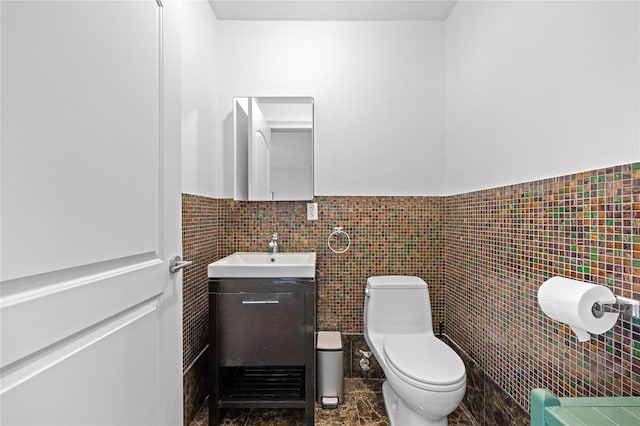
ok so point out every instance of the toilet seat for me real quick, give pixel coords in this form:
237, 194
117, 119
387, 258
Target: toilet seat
424, 361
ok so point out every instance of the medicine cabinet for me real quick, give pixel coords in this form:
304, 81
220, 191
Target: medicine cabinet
273, 148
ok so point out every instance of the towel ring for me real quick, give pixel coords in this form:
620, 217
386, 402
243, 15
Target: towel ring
337, 231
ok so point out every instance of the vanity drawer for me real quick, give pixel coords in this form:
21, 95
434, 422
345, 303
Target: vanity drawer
260, 329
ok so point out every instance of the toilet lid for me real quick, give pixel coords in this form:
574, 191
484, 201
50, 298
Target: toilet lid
395, 282
424, 359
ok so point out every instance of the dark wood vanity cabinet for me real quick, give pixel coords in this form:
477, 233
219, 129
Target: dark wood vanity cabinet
261, 344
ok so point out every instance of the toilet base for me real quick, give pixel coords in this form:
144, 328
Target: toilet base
401, 415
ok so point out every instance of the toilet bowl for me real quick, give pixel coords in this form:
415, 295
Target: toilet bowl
426, 379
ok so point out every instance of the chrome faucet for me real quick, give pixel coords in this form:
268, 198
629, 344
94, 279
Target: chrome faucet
273, 244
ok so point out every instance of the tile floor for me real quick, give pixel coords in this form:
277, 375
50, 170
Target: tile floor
363, 406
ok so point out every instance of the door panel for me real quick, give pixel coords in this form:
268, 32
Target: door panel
85, 110
90, 316
55, 312
88, 362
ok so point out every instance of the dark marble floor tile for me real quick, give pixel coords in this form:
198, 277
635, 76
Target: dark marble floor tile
500, 408
195, 383
273, 417
346, 355
202, 416
254, 417
371, 410
363, 406
461, 417
359, 407
474, 396
345, 414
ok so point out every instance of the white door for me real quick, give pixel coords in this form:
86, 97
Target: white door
259, 154
90, 314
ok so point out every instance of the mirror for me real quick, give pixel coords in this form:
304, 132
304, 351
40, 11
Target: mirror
273, 148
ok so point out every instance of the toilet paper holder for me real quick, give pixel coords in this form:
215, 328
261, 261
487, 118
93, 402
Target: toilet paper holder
627, 307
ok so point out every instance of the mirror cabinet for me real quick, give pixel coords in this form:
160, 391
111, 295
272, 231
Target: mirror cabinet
273, 148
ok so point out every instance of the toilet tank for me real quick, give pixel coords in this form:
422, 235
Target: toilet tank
397, 305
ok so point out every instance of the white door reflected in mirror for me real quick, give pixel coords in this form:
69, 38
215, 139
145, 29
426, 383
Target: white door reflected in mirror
273, 148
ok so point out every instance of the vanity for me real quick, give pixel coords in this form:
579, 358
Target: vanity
262, 318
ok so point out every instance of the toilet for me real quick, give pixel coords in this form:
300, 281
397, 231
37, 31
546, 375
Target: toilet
425, 378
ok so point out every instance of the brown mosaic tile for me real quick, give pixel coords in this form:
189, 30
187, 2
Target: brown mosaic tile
502, 243
389, 235
199, 245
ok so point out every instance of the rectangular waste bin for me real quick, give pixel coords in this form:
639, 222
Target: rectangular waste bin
330, 389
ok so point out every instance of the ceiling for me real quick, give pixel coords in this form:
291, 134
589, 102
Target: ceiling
332, 10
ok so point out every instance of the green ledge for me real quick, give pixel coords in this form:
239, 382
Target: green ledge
549, 410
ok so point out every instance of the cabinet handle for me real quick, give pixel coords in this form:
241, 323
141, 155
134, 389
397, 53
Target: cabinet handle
260, 302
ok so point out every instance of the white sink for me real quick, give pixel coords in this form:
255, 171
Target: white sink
264, 265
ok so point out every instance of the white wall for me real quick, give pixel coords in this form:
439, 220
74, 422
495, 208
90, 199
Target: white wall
199, 124
539, 89
378, 90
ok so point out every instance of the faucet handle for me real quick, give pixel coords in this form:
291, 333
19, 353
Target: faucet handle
274, 236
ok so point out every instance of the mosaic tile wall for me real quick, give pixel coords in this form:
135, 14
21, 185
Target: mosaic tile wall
389, 235
199, 244
502, 244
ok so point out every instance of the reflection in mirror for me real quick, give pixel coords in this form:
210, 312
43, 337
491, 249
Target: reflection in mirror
273, 148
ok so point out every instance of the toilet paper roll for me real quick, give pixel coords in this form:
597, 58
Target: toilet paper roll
570, 302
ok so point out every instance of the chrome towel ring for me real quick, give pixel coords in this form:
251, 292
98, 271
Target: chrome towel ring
338, 231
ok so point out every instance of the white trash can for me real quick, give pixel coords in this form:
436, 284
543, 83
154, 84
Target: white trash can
330, 353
